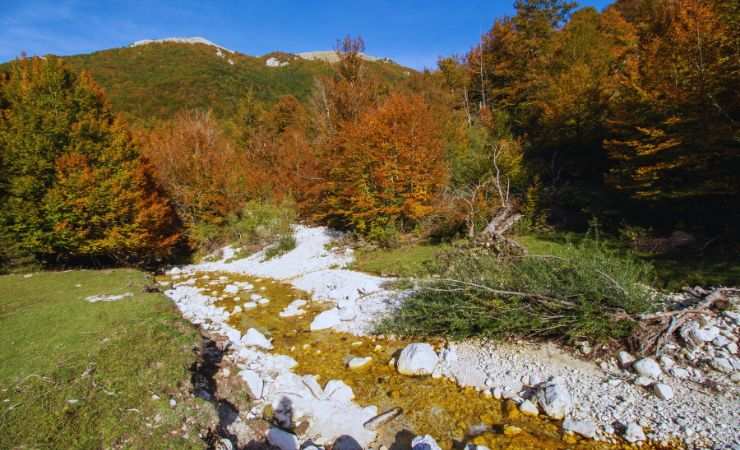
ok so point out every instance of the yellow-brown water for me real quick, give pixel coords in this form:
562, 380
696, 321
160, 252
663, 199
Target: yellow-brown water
454, 416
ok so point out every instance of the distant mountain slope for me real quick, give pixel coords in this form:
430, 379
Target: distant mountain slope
152, 80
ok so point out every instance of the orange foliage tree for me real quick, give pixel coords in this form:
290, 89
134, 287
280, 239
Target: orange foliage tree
76, 188
385, 168
202, 171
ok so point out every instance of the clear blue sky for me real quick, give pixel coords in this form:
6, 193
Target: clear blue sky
412, 32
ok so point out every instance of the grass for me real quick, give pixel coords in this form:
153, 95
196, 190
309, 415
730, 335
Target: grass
672, 271
82, 375
407, 261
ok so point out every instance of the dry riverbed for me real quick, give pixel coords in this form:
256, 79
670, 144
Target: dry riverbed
298, 333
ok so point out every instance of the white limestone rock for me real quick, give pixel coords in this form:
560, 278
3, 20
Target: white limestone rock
554, 398
326, 320
254, 338
585, 428
255, 385
694, 334
663, 391
417, 359
625, 359
647, 367
633, 433
357, 363
529, 408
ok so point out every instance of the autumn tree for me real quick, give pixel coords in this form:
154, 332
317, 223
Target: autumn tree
674, 123
387, 167
75, 187
203, 172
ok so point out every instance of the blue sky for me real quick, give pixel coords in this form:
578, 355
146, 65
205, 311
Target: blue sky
412, 32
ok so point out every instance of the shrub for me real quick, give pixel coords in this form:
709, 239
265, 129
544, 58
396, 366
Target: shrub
258, 223
285, 244
584, 291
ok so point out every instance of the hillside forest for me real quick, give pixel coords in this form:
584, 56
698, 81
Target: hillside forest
559, 120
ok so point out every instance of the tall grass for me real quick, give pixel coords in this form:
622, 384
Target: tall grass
583, 290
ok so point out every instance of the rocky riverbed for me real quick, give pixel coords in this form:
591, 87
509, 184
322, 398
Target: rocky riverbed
297, 331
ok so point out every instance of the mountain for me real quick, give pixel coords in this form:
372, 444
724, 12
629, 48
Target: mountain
153, 79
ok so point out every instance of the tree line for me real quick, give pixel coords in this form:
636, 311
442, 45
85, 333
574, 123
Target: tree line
557, 115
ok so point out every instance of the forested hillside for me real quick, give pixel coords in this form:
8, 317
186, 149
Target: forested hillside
154, 81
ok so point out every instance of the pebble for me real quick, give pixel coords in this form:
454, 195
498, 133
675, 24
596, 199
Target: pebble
173, 402
282, 439
357, 362
511, 430
644, 381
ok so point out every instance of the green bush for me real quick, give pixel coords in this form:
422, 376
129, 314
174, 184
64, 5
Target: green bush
583, 291
285, 244
258, 223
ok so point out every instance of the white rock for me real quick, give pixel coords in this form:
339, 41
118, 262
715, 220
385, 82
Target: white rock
325, 320
254, 338
732, 315
720, 341
528, 408
554, 398
667, 362
585, 428
644, 381
356, 363
625, 359
680, 373
249, 305
293, 309
633, 433
732, 347
663, 391
231, 289
694, 334
255, 385
722, 365
647, 367
417, 359
347, 311
282, 439
338, 391
424, 443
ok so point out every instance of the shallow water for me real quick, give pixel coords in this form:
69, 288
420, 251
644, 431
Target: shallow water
454, 416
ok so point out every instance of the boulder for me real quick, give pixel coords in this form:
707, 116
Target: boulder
346, 443
633, 433
554, 398
325, 320
663, 391
417, 359
425, 442
647, 367
282, 439
254, 338
585, 428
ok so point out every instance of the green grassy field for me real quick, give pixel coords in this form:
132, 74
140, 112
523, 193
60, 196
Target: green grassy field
75, 374
405, 261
